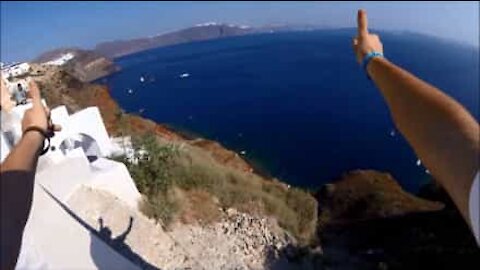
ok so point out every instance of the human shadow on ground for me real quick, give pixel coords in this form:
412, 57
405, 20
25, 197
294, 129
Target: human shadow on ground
118, 244
97, 252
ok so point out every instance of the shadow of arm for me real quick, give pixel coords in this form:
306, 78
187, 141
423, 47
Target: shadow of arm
123, 236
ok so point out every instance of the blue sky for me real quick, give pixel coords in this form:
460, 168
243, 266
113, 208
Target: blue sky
30, 28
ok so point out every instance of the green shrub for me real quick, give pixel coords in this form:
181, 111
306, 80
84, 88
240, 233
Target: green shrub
161, 167
151, 164
161, 206
149, 168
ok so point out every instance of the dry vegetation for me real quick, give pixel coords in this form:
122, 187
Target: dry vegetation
183, 182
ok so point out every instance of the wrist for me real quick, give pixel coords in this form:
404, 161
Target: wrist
35, 137
373, 64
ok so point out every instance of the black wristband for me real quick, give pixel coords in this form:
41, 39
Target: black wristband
45, 135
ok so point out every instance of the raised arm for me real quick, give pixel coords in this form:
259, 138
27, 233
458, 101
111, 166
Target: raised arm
443, 134
17, 178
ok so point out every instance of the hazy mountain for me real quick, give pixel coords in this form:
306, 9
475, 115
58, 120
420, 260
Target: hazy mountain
206, 31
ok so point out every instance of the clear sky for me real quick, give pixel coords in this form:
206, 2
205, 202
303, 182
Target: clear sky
29, 28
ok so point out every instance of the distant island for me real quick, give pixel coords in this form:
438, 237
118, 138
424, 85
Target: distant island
204, 31
89, 65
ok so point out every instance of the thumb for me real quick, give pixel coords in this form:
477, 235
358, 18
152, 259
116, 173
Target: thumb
34, 93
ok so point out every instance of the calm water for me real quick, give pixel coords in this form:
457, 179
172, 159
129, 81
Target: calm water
296, 103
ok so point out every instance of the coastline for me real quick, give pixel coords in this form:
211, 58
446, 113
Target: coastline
257, 165
344, 212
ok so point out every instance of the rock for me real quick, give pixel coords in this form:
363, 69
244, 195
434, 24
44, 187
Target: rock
367, 194
327, 190
317, 250
231, 212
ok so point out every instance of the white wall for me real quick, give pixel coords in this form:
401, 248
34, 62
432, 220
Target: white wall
16, 70
114, 177
87, 121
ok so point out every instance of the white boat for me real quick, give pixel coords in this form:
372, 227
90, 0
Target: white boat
142, 79
184, 75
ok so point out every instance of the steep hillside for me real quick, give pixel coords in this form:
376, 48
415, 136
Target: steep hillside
199, 165
366, 221
86, 65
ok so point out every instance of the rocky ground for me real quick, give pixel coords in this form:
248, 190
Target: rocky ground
237, 241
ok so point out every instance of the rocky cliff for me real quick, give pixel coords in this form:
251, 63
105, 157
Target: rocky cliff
86, 65
366, 221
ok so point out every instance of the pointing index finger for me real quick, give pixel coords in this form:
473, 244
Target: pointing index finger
362, 23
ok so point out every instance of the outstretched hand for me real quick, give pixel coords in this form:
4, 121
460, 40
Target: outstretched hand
365, 42
38, 115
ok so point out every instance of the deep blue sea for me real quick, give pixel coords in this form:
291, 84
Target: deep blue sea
297, 103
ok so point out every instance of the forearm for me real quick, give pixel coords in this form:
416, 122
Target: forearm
16, 190
17, 181
24, 155
18, 175
443, 134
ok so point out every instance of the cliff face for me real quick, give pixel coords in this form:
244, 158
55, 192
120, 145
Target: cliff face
366, 221
86, 65
366, 194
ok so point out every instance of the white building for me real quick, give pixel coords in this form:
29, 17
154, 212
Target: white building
78, 157
62, 60
15, 70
